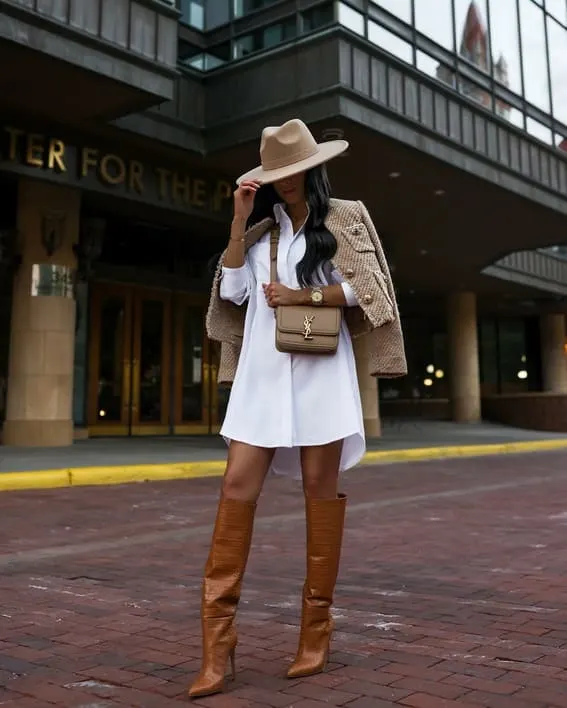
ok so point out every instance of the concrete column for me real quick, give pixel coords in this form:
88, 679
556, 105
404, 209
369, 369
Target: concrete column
464, 375
553, 356
368, 386
42, 337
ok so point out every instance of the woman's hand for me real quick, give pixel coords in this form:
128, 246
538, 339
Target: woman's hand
277, 294
244, 199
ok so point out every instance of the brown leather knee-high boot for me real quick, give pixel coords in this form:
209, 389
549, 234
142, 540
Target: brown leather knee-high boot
325, 523
221, 592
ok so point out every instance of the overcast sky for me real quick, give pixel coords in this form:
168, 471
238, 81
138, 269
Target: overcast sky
433, 18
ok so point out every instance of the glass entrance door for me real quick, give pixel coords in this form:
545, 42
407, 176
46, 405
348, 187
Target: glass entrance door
110, 361
151, 363
196, 367
152, 369
129, 361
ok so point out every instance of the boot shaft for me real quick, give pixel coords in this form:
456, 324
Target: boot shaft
228, 556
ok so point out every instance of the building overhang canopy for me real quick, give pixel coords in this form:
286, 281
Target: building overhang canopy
452, 188
87, 60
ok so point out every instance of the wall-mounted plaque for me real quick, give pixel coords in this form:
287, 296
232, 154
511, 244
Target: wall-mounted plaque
52, 280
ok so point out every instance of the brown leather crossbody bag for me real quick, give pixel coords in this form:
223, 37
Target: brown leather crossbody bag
303, 329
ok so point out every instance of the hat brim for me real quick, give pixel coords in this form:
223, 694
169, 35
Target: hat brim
326, 151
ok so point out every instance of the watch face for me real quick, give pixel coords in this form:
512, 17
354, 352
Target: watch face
317, 296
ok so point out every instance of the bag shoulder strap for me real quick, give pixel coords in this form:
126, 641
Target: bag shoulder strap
274, 240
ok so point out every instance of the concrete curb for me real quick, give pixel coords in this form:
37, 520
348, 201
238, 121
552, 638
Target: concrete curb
107, 475
117, 474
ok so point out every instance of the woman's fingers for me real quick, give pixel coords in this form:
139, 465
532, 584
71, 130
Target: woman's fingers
271, 294
250, 186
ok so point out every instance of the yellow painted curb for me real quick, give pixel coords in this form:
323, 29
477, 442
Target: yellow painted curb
87, 476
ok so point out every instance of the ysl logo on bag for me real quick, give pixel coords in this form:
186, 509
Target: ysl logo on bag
307, 322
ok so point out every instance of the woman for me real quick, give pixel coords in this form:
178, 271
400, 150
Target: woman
291, 412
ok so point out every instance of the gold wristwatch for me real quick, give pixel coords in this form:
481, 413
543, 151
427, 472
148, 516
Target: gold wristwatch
316, 296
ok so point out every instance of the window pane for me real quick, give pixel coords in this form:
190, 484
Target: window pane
389, 42
192, 397
512, 362
430, 66
264, 38
243, 46
217, 13
504, 38
351, 18
112, 354
318, 17
193, 13
435, 23
400, 8
475, 92
488, 357
81, 356
558, 8
204, 62
512, 115
151, 360
558, 62
539, 131
245, 7
534, 54
426, 346
472, 33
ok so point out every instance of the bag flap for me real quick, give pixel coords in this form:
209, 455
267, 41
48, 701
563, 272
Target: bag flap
319, 320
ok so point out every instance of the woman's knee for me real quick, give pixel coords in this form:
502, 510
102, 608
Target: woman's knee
245, 472
320, 483
320, 470
238, 484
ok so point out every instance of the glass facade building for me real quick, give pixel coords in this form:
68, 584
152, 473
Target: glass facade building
456, 115
509, 56
509, 358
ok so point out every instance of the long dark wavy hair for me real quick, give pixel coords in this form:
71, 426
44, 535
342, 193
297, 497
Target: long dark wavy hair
321, 245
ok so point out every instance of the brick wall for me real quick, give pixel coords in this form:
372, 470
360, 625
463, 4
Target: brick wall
534, 411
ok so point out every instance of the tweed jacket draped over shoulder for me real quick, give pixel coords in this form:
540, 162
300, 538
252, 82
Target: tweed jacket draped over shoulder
360, 260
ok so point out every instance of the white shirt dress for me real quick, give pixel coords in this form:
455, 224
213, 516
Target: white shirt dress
289, 401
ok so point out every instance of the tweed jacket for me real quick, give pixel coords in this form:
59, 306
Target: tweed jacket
360, 260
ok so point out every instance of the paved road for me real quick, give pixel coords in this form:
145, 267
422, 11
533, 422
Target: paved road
453, 592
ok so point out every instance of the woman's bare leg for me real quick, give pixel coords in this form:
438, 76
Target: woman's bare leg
246, 470
320, 470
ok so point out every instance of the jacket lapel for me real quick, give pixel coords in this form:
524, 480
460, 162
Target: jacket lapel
332, 222
256, 232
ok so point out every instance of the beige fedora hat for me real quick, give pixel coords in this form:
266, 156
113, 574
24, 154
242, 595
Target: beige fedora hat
288, 149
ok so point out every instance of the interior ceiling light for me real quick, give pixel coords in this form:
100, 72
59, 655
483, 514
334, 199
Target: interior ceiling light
395, 175
439, 192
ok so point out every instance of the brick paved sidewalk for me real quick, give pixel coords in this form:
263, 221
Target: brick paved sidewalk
453, 592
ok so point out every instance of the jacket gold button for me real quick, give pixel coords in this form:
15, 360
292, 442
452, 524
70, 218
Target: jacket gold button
367, 299
349, 272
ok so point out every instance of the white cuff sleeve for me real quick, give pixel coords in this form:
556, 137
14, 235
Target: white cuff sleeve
350, 297
236, 284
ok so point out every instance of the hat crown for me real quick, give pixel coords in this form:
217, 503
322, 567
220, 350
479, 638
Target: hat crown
284, 145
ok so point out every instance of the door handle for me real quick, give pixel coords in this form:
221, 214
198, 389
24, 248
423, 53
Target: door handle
214, 392
136, 385
206, 380
126, 385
